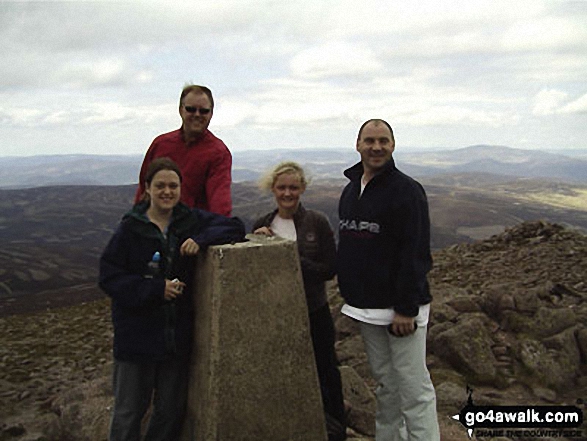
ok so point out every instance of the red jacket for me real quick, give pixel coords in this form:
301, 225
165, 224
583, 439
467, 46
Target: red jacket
205, 167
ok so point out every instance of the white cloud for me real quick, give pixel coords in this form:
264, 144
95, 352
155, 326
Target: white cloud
335, 59
100, 72
291, 102
577, 106
458, 115
19, 116
86, 114
548, 101
232, 112
551, 68
294, 69
545, 33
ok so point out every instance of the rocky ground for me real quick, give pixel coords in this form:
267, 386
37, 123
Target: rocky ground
509, 320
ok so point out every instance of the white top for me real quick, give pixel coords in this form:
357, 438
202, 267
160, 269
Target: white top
363, 185
381, 317
284, 228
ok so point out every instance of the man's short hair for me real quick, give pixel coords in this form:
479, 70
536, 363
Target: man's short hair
377, 121
198, 89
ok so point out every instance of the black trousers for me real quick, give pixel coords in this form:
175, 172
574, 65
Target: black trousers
323, 339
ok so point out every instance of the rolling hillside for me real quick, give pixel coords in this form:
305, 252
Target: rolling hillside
51, 237
19, 172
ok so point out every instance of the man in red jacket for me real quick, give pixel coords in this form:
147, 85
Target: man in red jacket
204, 160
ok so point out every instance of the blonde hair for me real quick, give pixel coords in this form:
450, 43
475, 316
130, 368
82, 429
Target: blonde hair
287, 167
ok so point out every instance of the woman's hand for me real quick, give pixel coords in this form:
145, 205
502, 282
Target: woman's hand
173, 289
189, 248
264, 230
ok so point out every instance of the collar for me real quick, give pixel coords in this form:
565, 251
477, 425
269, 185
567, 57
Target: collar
299, 214
139, 212
355, 172
182, 137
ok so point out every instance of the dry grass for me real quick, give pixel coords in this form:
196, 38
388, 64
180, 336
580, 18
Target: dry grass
45, 353
575, 201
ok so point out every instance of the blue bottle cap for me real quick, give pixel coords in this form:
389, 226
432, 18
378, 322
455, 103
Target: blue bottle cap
156, 256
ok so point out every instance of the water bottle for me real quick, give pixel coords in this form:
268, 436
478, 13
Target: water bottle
153, 265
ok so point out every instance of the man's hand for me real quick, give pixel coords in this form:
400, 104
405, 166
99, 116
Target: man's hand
189, 248
402, 325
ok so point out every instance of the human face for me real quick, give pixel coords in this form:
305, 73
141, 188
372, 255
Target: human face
375, 146
287, 190
194, 124
164, 190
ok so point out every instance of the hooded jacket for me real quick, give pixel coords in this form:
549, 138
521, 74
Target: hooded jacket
317, 251
384, 242
146, 326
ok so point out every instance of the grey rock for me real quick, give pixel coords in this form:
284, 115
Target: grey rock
541, 366
545, 323
363, 403
463, 304
526, 301
467, 347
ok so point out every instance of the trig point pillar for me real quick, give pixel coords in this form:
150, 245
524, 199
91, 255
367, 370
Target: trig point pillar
253, 375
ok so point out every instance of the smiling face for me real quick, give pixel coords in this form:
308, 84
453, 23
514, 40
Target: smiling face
191, 111
287, 189
164, 191
375, 145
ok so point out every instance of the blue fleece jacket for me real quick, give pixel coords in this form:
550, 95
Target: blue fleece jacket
146, 326
384, 242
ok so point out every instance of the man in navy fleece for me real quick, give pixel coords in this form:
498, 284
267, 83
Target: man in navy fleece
383, 259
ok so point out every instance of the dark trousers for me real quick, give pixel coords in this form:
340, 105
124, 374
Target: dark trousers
136, 385
323, 339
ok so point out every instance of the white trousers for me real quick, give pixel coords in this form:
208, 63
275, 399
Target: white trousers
406, 401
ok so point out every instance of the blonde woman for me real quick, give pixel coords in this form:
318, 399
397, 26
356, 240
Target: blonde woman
317, 250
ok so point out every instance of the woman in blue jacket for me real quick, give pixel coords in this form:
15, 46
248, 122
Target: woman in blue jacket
146, 269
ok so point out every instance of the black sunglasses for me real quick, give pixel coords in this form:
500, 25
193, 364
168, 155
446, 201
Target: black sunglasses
193, 109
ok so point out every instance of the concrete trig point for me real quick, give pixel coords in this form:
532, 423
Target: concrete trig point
253, 375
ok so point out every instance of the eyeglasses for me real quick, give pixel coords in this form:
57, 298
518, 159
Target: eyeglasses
193, 109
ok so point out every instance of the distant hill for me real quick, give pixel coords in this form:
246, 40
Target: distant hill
504, 161
52, 233
35, 171
40, 171
51, 237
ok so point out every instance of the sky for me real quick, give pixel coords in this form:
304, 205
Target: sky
104, 77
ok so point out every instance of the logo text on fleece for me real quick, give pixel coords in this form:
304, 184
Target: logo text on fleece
352, 225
